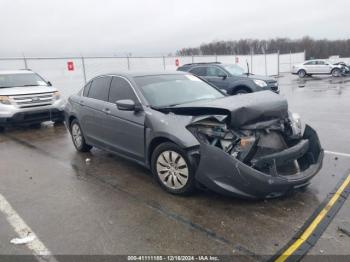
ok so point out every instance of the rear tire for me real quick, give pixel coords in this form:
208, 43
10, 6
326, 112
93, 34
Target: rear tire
173, 169
302, 73
78, 137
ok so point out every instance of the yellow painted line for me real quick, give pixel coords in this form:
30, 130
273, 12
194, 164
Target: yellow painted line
310, 229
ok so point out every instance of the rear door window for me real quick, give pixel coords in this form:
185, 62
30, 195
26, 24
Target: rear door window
199, 71
100, 87
215, 71
310, 63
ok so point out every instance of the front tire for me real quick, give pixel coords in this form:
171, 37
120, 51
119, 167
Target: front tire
173, 169
241, 92
78, 137
336, 72
301, 73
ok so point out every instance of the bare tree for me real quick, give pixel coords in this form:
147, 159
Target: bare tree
321, 48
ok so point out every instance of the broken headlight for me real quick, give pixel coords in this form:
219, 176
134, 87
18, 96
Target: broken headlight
296, 125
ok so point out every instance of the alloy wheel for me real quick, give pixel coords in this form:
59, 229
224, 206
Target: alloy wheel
77, 136
172, 169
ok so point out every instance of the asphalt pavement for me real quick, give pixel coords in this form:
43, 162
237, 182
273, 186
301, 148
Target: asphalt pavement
107, 205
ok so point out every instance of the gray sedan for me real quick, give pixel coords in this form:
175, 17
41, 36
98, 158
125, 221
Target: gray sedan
189, 133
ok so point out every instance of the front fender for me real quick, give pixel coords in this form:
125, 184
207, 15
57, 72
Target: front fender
247, 83
168, 126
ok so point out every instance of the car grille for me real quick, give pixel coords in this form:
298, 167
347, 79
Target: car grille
32, 100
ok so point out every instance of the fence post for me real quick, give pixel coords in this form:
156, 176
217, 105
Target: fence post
192, 59
164, 62
216, 58
83, 65
251, 61
265, 63
128, 61
25, 62
278, 63
290, 60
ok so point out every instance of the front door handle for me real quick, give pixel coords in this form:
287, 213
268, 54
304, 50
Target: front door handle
81, 102
107, 110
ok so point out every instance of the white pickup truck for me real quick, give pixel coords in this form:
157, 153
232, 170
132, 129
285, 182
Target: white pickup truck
27, 99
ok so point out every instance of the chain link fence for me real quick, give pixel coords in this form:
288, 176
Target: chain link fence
69, 74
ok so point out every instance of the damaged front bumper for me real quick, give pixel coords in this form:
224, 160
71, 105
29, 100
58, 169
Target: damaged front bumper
226, 175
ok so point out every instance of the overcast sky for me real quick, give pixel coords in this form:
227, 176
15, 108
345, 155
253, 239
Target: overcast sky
148, 27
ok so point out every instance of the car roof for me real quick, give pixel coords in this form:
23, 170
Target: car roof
131, 74
201, 64
12, 72
315, 60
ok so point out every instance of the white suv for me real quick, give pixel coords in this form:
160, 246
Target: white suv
316, 67
26, 98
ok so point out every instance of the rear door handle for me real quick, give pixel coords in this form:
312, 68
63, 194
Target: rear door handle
81, 102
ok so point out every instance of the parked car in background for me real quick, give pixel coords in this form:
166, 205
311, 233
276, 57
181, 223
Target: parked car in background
231, 78
27, 99
188, 132
317, 67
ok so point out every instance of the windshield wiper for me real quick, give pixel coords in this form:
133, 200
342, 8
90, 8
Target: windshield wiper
163, 107
172, 105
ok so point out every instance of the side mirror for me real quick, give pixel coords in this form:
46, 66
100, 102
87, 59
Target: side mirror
49, 83
223, 77
126, 105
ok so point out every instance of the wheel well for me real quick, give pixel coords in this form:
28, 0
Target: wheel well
301, 70
154, 143
236, 88
70, 120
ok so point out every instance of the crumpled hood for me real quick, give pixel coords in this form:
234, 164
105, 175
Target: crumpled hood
242, 109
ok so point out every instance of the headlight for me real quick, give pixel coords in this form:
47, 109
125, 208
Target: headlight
260, 83
56, 95
5, 100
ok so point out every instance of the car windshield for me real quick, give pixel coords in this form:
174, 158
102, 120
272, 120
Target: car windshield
171, 90
234, 70
25, 79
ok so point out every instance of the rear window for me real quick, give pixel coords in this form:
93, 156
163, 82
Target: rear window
20, 80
